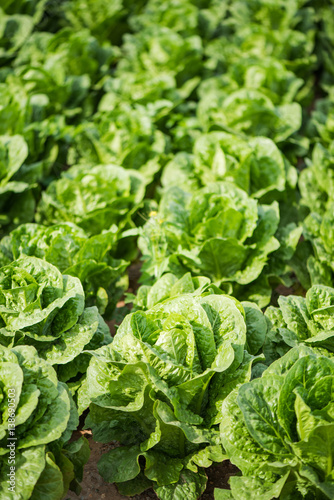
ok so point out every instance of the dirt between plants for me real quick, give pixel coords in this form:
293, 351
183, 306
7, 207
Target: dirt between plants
95, 488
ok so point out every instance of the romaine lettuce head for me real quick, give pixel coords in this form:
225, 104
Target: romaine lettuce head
93, 198
318, 233
218, 232
43, 308
279, 430
255, 165
125, 135
249, 112
158, 390
316, 182
103, 19
37, 418
58, 71
182, 16
326, 40
301, 321
67, 246
31, 118
320, 126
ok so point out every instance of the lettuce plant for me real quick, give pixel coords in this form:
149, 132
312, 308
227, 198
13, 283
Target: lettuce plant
158, 390
46, 464
218, 232
125, 135
100, 18
17, 203
301, 321
93, 198
319, 257
326, 40
253, 164
182, 16
316, 181
158, 64
62, 68
249, 112
68, 247
42, 308
169, 286
279, 430
320, 126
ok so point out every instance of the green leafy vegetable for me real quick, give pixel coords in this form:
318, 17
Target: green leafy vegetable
68, 248
93, 198
301, 321
17, 203
279, 430
255, 165
42, 308
37, 419
159, 386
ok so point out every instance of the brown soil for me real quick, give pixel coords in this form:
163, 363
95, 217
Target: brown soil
218, 476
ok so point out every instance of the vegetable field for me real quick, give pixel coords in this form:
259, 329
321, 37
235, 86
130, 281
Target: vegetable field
166, 249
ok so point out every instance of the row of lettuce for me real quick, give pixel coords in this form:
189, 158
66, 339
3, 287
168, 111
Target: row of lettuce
196, 98
195, 378
200, 133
